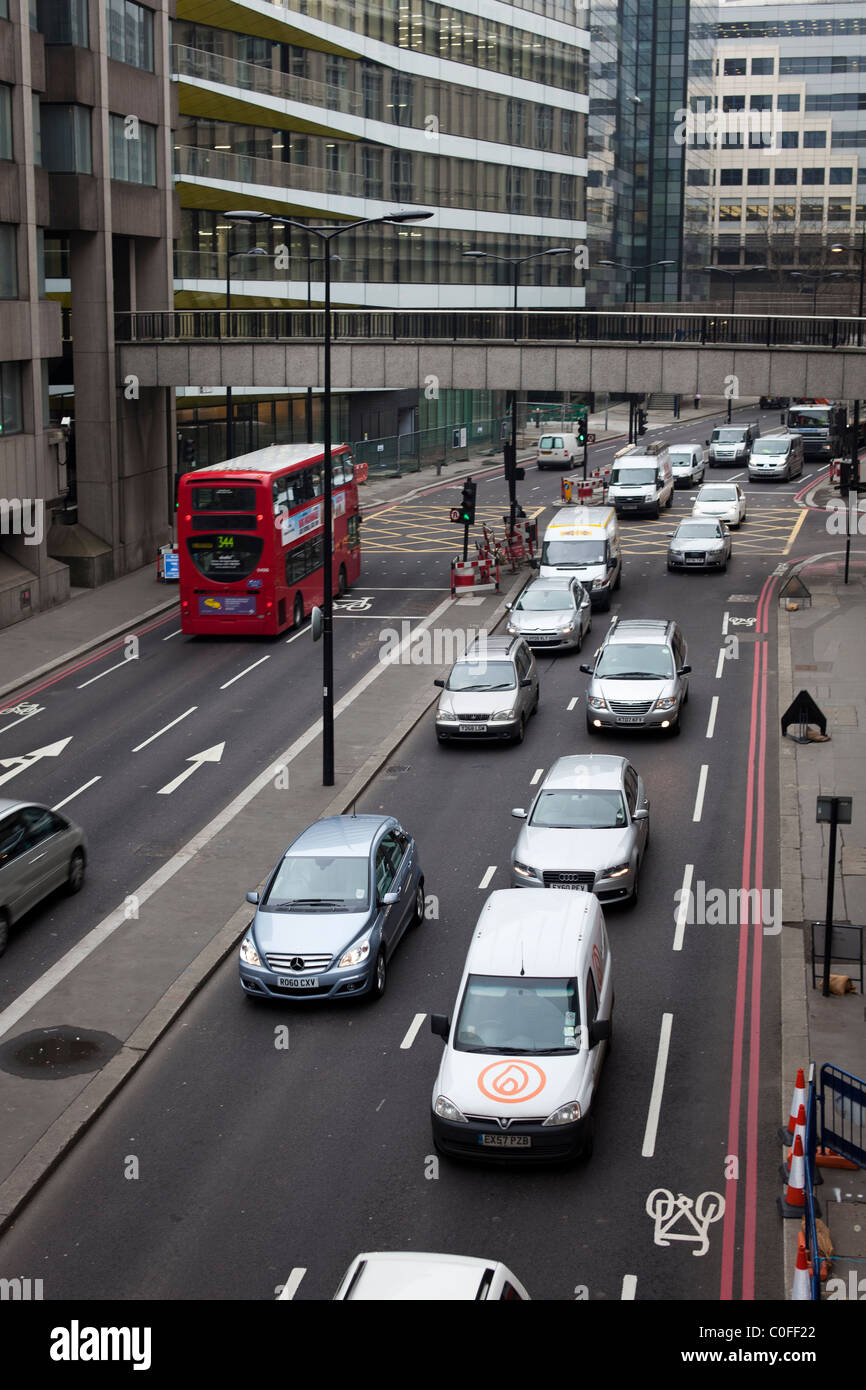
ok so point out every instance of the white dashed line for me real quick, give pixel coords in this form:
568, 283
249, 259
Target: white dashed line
683, 909
725, 624
655, 1105
488, 876
571, 704
413, 1031
176, 633
72, 795
292, 1284
536, 776
711, 723
629, 1284
245, 672
720, 664
165, 730
125, 662
702, 787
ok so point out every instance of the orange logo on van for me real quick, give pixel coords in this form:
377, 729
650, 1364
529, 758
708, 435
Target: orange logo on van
512, 1081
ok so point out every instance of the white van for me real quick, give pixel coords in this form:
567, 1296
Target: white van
688, 463
558, 451
584, 542
641, 480
531, 1028
776, 456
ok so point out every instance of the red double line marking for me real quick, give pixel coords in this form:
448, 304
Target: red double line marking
753, 833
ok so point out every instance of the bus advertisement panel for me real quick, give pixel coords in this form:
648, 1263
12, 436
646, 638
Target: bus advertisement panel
251, 539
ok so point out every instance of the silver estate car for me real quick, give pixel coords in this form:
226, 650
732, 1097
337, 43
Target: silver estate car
333, 911
700, 543
491, 691
587, 829
40, 851
551, 613
639, 679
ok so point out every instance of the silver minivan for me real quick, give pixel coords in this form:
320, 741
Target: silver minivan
776, 456
639, 677
40, 851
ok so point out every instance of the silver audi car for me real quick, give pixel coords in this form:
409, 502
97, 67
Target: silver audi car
552, 613
700, 543
587, 829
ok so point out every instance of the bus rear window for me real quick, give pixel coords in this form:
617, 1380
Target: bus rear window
223, 499
227, 558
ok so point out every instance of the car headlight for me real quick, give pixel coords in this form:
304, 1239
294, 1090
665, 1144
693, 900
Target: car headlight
249, 954
666, 702
446, 1110
676, 555
524, 870
567, 630
599, 583
511, 629
502, 715
596, 702
355, 954
617, 871
565, 1115
446, 716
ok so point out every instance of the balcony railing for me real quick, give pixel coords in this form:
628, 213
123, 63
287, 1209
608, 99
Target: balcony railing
200, 66
755, 331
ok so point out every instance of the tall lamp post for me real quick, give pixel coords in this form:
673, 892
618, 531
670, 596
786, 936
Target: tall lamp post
511, 450
732, 276
816, 280
633, 271
326, 235
855, 426
861, 252
230, 423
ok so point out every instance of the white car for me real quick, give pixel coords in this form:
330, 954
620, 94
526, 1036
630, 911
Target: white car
404, 1276
723, 501
688, 464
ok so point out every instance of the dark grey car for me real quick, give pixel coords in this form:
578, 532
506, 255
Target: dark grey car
40, 851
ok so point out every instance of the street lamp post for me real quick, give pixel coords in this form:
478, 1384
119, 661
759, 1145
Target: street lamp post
855, 424
861, 252
633, 270
230, 424
515, 262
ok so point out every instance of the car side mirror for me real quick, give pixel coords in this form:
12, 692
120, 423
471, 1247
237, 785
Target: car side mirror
534, 565
519, 813
508, 607
389, 899
706, 443
587, 670
440, 1024
640, 815
599, 1031
684, 671
525, 683
441, 684
253, 898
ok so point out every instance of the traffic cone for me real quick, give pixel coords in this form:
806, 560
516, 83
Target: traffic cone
801, 1130
802, 1291
792, 1204
787, 1135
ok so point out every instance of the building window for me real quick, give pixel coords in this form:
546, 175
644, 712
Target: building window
66, 139
371, 89
543, 127
5, 121
371, 161
838, 212
133, 150
814, 139
37, 131
757, 211
730, 212
762, 67
130, 33
788, 101
759, 176
760, 103
790, 140
786, 176
730, 178
567, 204
4, 9
811, 212
569, 124
813, 176
402, 91
733, 103
8, 261
735, 67
11, 414
784, 212
543, 193
63, 21
515, 121
514, 190
401, 176
40, 261
840, 176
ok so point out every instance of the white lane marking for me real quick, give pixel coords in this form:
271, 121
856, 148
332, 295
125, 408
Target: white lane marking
126, 661
23, 761
166, 872
296, 635
400, 589
176, 633
725, 620
537, 774
382, 617
488, 876
683, 908
655, 1105
381, 1103
37, 710
245, 672
208, 755
702, 787
735, 476
629, 1284
571, 704
290, 1288
165, 730
72, 795
720, 664
413, 1031
711, 723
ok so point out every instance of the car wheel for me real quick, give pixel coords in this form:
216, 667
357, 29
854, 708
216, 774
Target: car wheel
674, 730
75, 877
589, 1141
635, 893
670, 498
537, 699
657, 513
298, 611
4, 931
418, 915
618, 579
670, 568
541, 467
521, 730
342, 583
724, 567
380, 975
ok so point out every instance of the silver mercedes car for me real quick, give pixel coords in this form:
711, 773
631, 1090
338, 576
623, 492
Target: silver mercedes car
587, 829
40, 851
551, 613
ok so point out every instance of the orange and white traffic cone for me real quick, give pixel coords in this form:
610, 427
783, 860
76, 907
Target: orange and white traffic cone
801, 1130
794, 1201
787, 1135
802, 1291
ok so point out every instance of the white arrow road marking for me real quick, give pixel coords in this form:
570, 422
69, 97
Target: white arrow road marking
51, 750
210, 755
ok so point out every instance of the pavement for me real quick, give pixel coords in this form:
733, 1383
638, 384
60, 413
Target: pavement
821, 651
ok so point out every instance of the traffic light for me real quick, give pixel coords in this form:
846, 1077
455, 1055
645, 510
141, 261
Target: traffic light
467, 503
188, 451
846, 476
581, 430
512, 472
641, 421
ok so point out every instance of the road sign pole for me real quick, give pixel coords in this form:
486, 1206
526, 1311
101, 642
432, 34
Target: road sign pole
831, 881
466, 541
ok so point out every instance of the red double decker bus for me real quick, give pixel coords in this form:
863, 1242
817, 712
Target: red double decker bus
250, 537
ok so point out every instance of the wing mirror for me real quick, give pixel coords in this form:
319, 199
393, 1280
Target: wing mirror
599, 1031
640, 815
519, 813
253, 898
441, 684
684, 671
587, 670
440, 1024
389, 899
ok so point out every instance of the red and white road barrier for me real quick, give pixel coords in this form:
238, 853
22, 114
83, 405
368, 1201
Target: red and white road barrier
472, 576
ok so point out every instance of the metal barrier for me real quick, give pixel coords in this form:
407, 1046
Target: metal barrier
810, 1146
843, 1113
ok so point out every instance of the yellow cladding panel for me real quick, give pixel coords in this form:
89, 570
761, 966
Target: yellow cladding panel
215, 106
202, 195
224, 14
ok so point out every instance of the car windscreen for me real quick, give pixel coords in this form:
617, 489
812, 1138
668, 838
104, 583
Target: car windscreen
770, 446
728, 436
517, 1015
717, 494
639, 476
624, 661
482, 675
304, 882
697, 531
681, 456
550, 441
545, 601
808, 419
586, 809
568, 553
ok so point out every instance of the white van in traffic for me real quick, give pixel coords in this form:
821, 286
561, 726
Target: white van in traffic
584, 541
642, 480
531, 1027
558, 451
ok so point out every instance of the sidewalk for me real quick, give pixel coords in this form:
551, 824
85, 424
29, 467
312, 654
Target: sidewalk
821, 650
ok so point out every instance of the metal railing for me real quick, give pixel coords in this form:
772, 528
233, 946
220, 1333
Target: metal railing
490, 326
201, 66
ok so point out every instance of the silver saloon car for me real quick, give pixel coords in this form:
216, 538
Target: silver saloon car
491, 692
587, 829
700, 543
552, 613
333, 911
40, 851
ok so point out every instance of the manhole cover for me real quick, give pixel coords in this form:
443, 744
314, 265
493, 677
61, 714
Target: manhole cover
395, 770
49, 1053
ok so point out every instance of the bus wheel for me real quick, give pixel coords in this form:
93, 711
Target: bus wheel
299, 611
342, 583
